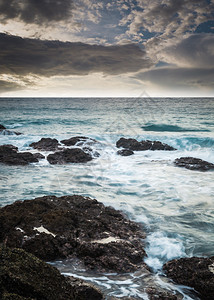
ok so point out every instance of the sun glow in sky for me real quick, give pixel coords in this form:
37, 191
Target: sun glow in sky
106, 48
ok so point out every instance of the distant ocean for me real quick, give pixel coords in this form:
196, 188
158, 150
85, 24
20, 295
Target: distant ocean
175, 205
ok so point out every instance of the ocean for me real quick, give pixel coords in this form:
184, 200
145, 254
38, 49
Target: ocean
175, 205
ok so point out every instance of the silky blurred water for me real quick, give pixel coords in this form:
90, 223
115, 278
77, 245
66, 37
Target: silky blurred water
175, 205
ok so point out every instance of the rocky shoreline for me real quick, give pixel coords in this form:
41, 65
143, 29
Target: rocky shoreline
102, 238
81, 152
76, 227
23, 277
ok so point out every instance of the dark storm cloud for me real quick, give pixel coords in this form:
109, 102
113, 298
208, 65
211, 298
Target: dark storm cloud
195, 51
170, 77
35, 11
48, 58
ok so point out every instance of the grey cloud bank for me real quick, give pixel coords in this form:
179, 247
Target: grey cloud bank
35, 11
21, 56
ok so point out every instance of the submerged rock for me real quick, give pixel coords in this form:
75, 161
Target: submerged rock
134, 145
125, 152
46, 144
78, 141
92, 152
9, 155
2, 127
74, 155
192, 163
196, 272
74, 226
158, 293
24, 276
5, 131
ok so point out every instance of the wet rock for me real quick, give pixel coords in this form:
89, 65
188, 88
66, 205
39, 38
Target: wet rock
5, 131
9, 155
192, 163
89, 150
46, 144
195, 272
2, 127
74, 155
74, 226
8, 132
134, 145
125, 152
23, 276
38, 155
78, 141
157, 294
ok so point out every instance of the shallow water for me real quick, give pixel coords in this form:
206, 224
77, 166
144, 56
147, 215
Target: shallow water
175, 205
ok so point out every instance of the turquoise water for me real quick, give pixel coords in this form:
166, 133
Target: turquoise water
175, 205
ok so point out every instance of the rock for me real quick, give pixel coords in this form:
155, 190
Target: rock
4, 131
74, 226
10, 156
192, 163
125, 152
91, 151
8, 132
46, 144
38, 155
155, 294
78, 141
196, 272
134, 145
74, 155
24, 276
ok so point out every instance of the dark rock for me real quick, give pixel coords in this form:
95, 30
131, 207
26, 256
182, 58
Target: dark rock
8, 132
157, 294
23, 276
196, 272
46, 144
4, 131
74, 155
78, 141
192, 163
125, 152
8, 147
91, 151
134, 145
76, 227
10, 156
38, 155
2, 127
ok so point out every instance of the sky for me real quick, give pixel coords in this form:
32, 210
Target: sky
87, 48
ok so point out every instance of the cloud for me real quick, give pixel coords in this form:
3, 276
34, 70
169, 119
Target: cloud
179, 78
49, 58
7, 86
35, 11
196, 51
170, 16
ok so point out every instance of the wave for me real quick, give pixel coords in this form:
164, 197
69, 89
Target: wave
192, 143
7, 132
170, 128
12, 126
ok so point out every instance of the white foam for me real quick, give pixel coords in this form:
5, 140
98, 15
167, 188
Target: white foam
18, 228
44, 230
161, 249
211, 268
108, 240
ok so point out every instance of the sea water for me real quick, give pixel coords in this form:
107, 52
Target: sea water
174, 205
